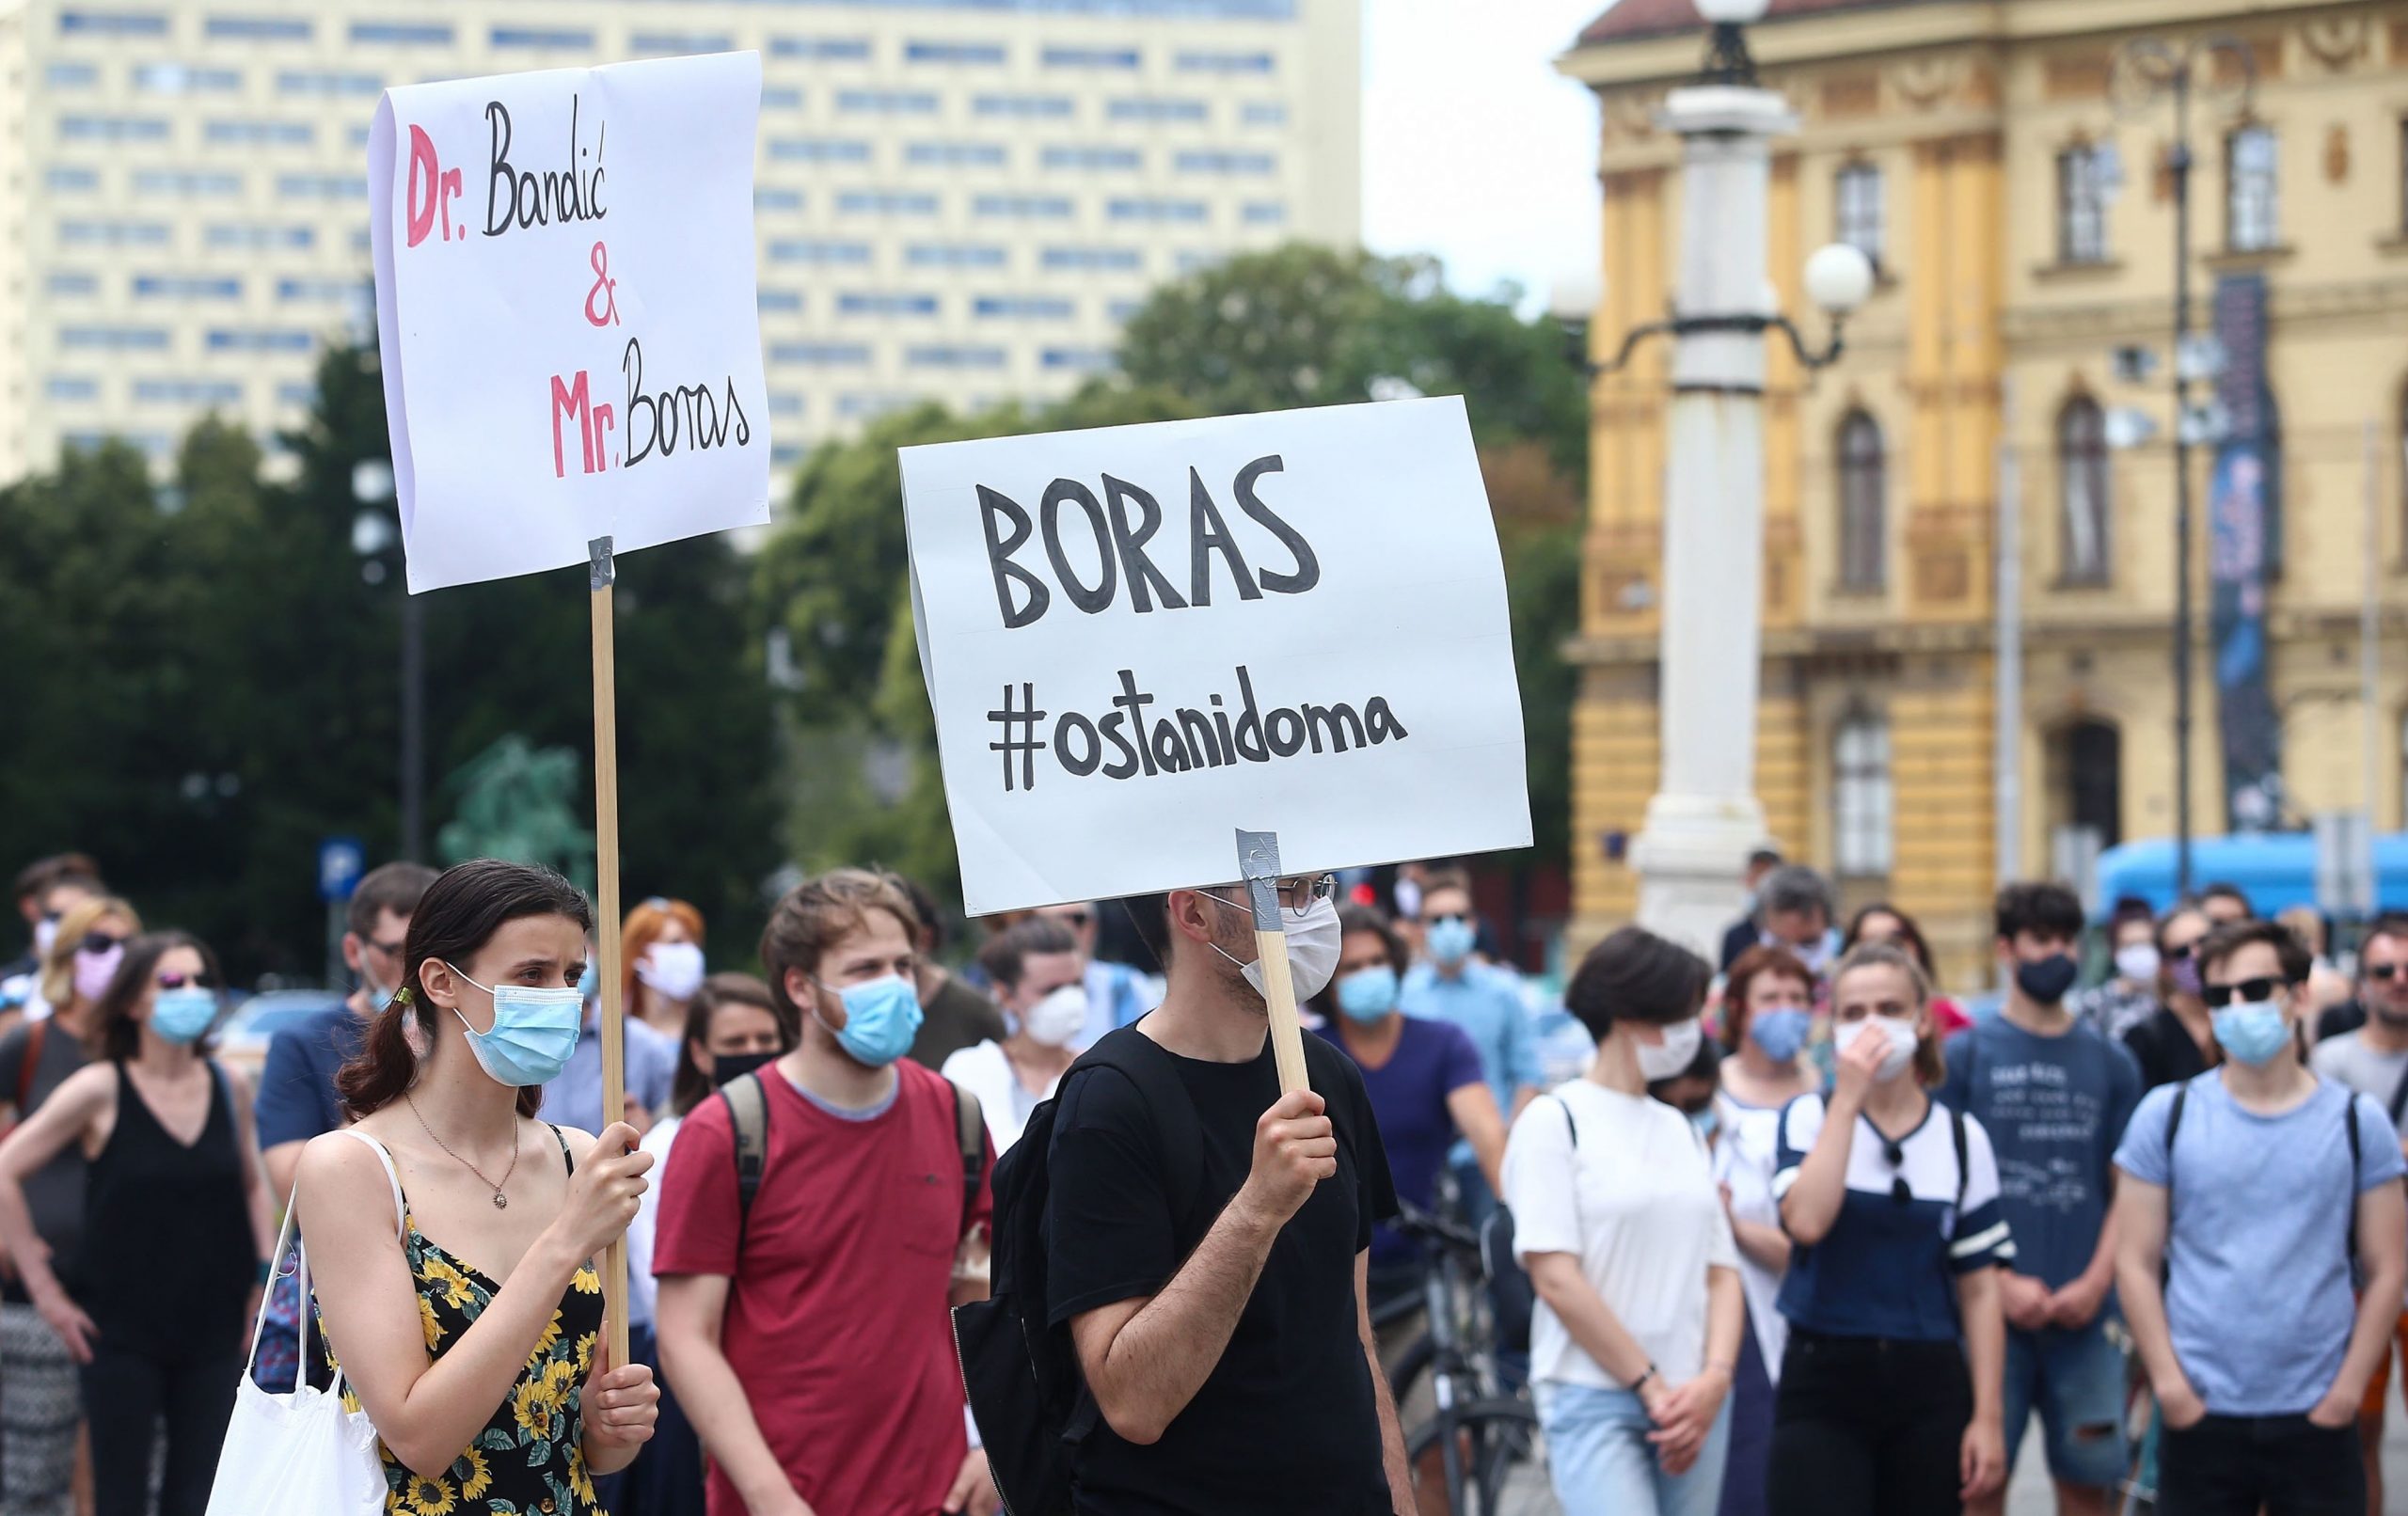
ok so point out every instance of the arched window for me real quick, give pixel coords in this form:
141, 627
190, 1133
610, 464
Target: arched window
1864, 484
2081, 493
1861, 796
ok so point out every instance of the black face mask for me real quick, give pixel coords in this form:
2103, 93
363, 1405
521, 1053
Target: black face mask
2048, 980
728, 1065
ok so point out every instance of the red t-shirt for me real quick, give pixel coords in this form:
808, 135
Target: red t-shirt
836, 1321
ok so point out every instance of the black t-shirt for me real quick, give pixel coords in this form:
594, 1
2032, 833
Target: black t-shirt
1285, 1422
54, 1192
2165, 1050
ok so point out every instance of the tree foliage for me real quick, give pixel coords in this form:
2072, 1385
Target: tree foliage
203, 683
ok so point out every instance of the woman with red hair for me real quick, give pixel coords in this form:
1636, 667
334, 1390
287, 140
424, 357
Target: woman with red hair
660, 955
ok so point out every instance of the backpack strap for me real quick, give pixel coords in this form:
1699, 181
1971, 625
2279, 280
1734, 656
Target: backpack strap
2357, 1159
36, 1033
970, 1132
1144, 1063
2173, 1125
747, 1113
1964, 1167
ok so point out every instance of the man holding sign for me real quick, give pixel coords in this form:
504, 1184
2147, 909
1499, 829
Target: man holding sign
1222, 1326
1176, 632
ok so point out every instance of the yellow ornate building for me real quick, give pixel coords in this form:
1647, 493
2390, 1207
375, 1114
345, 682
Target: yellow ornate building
2017, 199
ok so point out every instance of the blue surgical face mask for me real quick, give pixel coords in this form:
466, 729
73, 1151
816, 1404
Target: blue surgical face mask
2253, 1030
181, 1015
1368, 995
881, 1019
1706, 1121
1450, 940
1780, 1031
535, 1031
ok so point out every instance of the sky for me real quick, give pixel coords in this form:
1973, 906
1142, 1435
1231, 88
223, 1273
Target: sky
1474, 148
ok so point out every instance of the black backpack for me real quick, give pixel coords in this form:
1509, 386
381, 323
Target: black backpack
1021, 1372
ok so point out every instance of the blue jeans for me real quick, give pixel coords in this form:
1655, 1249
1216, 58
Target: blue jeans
1602, 1464
2075, 1381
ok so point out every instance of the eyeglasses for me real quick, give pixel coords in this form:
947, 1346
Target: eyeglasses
1074, 918
2385, 973
1299, 894
390, 950
99, 944
2247, 990
179, 981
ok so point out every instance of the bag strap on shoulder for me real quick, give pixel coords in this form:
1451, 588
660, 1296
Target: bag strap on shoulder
1964, 1164
970, 1133
392, 1178
1143, 1062
2357, 1160
748, 1115
35, 1035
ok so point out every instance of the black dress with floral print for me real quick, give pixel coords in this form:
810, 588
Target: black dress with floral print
530, 1459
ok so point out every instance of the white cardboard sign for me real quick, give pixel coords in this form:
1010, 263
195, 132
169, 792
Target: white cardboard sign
1290, 623
565, 311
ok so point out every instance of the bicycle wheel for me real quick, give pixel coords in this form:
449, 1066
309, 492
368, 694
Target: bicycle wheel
1410, 1366
1500, 1464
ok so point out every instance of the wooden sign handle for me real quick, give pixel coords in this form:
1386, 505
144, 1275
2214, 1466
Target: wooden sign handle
605, 907
1258, 866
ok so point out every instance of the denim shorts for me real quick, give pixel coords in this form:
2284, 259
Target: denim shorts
2075, 1381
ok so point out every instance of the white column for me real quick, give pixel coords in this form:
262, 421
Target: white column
1704, 817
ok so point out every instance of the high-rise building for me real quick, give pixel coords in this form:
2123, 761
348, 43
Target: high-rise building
2017, 200
956, 199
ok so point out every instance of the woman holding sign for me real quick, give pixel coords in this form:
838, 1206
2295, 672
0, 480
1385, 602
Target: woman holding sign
451, 1235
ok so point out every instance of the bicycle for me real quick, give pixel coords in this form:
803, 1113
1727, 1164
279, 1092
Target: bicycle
1486, 1449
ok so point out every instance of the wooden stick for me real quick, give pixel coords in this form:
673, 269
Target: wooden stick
1259, 865
605, 906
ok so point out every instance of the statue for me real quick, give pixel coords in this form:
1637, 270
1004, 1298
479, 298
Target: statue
518, 802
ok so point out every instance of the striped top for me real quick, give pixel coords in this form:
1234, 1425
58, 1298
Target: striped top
1887, 1269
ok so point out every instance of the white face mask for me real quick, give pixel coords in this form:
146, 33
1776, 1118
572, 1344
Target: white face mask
674, 968
1055, 1020
1672, 1055
2137, 962
46, 936
1904, 1039
1313, 946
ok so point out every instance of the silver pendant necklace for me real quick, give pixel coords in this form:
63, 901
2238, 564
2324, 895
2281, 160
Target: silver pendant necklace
500, 1200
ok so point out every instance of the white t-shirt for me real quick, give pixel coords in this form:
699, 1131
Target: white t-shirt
1636, 1204
644, 1290
1743, 1159
985, 1071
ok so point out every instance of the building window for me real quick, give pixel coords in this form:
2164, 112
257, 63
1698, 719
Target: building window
780, 98
569, 40
113, 339
771, 198
258, 340
187, 287
955, 154
1201, 62
887, 102
72, 75
401, 33
1863, 488
2082, 204
70, 386
1083, 157
1264, 213
1034, 307
1094, 260
881, 303
1156, 109
821, 355
328, 82
1264, 113
1220, 161
825, 49
1080, 359
777, 300
111, 24
1155, 209
72, 284
886, 202
819, 150
72, 181
1857, 196
248, 134
257, 28
1024, 107
2081, 493
113, 129
1042, 207
1090, 58
1861, 796
803, 250
258, 237
985, 53
678, 44
955, 356
2252, 189
954, 255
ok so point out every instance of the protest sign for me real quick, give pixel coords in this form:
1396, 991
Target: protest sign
1141, 638
566, 311
571, 348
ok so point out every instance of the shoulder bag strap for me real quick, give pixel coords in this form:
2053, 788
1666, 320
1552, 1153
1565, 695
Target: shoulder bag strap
1964, 1167
748, 1111
970, 1133
2357, 1158
39, 1030
303, 1313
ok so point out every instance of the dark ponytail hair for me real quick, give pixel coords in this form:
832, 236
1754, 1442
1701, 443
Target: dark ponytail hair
457, 917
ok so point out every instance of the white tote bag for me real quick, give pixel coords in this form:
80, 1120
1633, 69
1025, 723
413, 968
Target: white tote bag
299, 1454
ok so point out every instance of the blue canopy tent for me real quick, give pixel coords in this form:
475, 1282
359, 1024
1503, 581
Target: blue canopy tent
2276, 869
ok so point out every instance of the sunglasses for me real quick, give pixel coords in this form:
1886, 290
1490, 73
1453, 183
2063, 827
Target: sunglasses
1074, 918
2385, 973
1895, 1156
390, 950
2175, 954
2247, 990
99, 944
179, 981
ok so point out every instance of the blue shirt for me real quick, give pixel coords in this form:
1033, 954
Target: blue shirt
297, 1097
1888, 1269
574, 1099
2054, 1109
1430, 1062
2258, 1262
1487, 1005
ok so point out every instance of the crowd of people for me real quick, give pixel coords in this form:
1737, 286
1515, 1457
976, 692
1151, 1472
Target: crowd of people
1804, 1236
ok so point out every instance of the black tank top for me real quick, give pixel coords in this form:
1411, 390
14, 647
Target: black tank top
167, 1258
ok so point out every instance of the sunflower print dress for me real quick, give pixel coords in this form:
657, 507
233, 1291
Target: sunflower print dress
530, 1459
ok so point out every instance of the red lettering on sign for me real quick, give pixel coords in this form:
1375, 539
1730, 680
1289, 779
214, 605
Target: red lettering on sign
432, 189
576, 402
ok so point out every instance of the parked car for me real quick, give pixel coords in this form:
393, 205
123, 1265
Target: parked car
243, 1036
